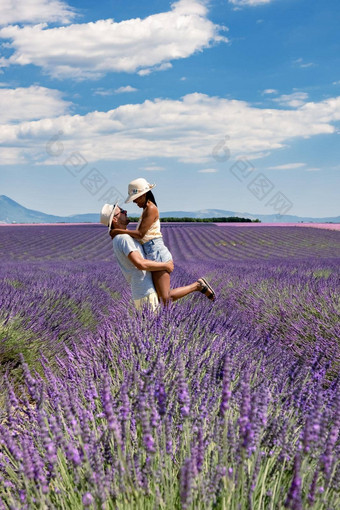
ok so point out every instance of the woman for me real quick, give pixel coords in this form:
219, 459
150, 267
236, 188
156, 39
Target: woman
148, 233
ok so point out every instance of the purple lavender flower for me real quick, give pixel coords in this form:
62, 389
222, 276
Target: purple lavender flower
109, 413
161, 398
73, 454
183, 392
312, 489
226, 392
87, 499
245, 425
186, 484
293, 500
200, 449
148, 439
27, 462
328, 455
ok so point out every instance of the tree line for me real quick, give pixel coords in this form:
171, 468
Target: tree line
223, 219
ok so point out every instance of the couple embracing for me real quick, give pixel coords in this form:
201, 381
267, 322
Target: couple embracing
141, 254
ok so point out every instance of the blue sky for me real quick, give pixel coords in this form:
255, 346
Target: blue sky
224, 104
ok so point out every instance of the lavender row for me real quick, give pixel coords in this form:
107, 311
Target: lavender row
227, 405
179, 410
187, 242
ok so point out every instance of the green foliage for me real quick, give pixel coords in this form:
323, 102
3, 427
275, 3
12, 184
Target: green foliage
185, 219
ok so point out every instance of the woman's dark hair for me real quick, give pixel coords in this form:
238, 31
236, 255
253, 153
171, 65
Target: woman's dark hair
149, 196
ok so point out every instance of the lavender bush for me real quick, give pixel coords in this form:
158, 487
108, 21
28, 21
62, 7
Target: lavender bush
226, 405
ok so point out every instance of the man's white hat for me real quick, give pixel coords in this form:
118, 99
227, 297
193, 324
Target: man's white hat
137, 188
107, 213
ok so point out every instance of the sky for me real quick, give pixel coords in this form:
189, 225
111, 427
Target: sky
223, 104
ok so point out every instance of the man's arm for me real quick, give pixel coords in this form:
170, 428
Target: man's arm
133, 233
149, 265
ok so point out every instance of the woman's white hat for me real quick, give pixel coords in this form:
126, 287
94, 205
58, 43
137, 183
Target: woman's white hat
107, 213
137, 188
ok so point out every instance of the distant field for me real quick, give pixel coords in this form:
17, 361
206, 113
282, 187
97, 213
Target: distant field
225, 405
187, 242
328, 226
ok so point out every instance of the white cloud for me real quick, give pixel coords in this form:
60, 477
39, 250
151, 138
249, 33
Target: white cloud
123, 90
35, 11
208, 171
252, 3
295, 100
188, 130
307, 64
104, 92
90, 50
109, 92
12, 156
153, 168
288, 166
32, 103
162, 67
270, 91
300, 63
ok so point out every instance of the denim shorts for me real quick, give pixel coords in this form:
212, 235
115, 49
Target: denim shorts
156, 250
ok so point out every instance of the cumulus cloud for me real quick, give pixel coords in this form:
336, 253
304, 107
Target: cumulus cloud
192, 129
90, 50
294, 100
270, 91
35, 11
124, 90
252, 3
153, 168
32, 103
109, 92
288, 166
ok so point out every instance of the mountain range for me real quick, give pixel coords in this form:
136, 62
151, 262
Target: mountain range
12, 212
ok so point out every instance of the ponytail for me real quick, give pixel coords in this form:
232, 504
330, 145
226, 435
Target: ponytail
149, 196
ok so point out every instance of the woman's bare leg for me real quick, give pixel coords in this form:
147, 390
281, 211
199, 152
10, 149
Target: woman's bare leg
161, 280
184, 291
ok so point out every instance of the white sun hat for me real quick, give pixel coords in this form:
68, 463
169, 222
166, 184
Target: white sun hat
137, 188
107, 213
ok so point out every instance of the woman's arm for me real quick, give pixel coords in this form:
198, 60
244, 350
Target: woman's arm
133, 233
150, 215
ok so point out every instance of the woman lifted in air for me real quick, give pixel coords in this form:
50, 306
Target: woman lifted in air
148, 233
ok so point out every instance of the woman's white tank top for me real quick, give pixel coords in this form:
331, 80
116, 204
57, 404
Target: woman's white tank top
153, 233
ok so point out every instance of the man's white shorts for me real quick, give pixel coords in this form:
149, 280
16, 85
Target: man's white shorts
150, 300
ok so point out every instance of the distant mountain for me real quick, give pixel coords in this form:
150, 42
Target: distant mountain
12, 212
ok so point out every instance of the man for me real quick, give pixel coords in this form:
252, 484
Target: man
138, 270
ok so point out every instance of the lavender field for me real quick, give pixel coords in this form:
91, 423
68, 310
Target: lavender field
230, 405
